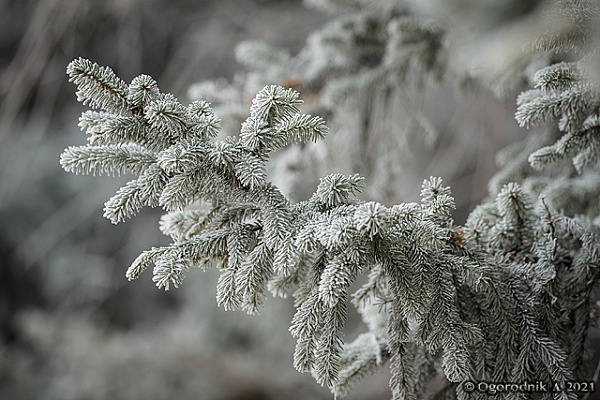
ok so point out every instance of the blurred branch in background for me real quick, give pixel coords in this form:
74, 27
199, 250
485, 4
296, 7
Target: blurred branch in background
31, 80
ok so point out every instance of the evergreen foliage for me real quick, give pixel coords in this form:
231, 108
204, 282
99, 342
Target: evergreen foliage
351, 72
508, 297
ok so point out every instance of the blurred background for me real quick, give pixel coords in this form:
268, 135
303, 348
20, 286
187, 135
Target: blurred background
71, 325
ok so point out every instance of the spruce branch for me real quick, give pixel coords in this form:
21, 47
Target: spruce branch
437, 299
98, 86
142, 91
111, 159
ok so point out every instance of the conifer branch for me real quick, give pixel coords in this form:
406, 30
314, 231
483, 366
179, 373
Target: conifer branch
479, 301
98, 86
